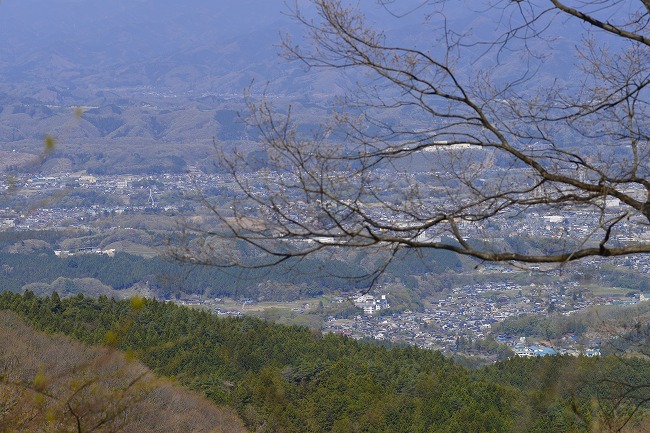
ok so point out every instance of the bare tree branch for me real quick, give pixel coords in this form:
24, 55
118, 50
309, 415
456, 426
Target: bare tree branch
446, 141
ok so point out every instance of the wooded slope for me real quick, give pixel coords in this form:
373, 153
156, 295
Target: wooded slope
51, 383
292, 379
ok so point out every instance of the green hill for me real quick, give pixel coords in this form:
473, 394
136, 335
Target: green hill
291, 379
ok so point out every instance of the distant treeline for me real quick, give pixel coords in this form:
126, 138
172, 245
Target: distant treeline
629, 322
166, 277
298, 278
421, 272
292, 379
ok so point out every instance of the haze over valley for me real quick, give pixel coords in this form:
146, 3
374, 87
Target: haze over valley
415, 245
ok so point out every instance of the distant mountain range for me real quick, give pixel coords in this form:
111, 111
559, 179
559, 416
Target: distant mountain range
164, 71
87, 46
144, 71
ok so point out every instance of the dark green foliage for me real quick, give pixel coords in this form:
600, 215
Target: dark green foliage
293, 279
305, 278
548, 327
292, 379
424, 261
10, 237
575, 393
619, 276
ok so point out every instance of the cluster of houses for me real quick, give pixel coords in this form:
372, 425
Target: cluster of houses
468, 313
150, 190
522, 350
465, 312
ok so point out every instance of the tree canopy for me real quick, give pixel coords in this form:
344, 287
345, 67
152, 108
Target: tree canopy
292, 379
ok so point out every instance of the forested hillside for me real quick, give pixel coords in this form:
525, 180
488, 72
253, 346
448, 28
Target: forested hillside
166, 278
291, 379
51, 383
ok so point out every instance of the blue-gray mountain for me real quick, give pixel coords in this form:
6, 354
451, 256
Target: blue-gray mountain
176, 72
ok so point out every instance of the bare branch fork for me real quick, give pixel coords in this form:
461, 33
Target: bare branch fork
455, 136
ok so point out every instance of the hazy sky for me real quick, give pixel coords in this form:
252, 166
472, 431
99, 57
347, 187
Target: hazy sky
172, 44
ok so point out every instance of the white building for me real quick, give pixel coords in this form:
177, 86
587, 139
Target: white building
7, 223
370, 305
